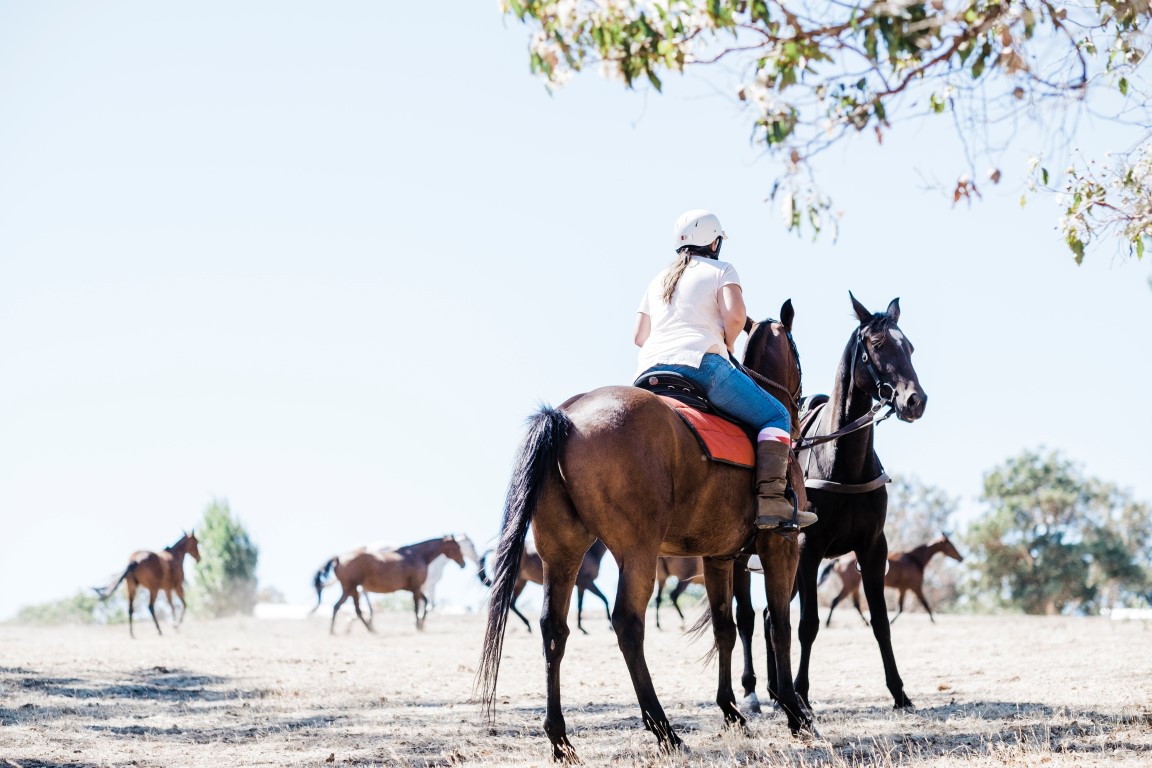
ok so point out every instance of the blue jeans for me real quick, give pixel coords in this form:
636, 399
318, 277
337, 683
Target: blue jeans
732, 393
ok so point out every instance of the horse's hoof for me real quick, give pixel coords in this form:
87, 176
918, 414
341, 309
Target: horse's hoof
904, 703
752, 703
562, 752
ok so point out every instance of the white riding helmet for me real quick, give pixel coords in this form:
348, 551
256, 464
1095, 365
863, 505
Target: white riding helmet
696, 227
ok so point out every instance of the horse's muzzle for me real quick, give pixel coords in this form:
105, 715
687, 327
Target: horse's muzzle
911, 407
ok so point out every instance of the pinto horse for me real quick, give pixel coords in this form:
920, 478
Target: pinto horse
435, 572
405, 568
619, 465
157, 572
532, 570
845, 479
905, 573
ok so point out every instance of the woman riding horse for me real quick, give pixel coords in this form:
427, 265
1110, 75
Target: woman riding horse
687, 324
620, 465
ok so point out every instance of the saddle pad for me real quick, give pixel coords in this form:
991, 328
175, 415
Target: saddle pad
721, 440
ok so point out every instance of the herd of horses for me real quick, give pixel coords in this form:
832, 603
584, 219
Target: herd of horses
617, 470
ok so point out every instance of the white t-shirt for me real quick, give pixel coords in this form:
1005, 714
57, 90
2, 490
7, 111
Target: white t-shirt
691, 324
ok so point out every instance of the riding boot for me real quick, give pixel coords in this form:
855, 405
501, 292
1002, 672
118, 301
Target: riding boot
774, 510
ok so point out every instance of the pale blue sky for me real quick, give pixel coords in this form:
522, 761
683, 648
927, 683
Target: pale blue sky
323, 260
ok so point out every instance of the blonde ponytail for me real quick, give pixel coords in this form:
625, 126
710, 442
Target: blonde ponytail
683, 258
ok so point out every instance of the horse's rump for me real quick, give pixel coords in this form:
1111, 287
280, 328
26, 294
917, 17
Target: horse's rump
629, 456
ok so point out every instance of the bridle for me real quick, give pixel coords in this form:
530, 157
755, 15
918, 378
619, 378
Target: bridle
870, 419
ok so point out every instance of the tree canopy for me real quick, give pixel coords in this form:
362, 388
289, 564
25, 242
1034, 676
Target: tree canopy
811, 73
226, 574
1056, 541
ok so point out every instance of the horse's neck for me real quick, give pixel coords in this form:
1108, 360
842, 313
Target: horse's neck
923, 553
426, 550
849, 457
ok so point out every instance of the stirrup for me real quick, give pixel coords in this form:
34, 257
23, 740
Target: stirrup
777, 525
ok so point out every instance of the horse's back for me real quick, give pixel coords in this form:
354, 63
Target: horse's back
386, 571
635, 473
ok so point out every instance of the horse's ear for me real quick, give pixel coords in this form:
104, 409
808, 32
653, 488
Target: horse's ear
894, 310
787, 314
861, 311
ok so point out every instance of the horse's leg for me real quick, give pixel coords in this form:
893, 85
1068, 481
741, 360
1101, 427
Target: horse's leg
130, 582
920, 596
659, 592
183, 603
899, 607
718, 583
780, 555
172, 608
859, 606
832, 607
515, 594
872, 579
560, 571
809, 625
356, 605
674, 596
596, 591
745, 626
152, 595
580, 608
632, 595
335, 608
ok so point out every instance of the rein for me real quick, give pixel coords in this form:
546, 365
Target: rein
869, 419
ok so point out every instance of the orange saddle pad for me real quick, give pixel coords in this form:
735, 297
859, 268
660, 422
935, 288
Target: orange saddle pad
721, 440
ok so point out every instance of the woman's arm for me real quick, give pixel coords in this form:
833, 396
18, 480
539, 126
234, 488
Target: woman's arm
732, 313
643, 328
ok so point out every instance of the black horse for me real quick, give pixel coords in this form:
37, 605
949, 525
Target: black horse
845, 482
845, 479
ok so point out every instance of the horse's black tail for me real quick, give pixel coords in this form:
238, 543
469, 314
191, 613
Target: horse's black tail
320, 580
536, 463
106, 592
825, 573
482, 569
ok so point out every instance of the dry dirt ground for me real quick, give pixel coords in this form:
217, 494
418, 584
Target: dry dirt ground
1018, 691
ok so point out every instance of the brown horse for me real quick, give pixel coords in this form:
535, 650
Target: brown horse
405, 568
905, 573
617, 464
685, 570
532, 570
157, 572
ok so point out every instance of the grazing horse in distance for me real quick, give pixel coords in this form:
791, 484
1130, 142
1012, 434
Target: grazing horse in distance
156, 572
685, 570
405, 568
532, 570
905, 573
845, 480
618, 464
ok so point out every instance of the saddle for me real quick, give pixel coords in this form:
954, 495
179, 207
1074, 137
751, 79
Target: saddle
676, 387
721, 440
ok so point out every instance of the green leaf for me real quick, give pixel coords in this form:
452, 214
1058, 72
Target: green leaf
1123, 86
1044, 176
1077, 247
1139, 247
